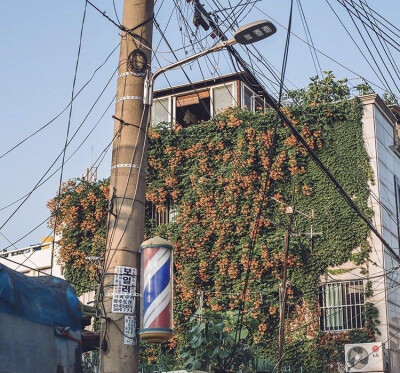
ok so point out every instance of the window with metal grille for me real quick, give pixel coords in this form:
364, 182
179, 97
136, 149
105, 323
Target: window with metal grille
342, 305
163, 216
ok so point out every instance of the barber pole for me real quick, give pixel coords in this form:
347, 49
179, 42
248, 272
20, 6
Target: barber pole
156, 290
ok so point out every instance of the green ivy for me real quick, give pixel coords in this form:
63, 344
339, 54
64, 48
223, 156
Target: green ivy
194, 167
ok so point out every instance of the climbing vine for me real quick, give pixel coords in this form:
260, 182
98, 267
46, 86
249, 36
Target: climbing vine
231, 193
218, 174
81, 220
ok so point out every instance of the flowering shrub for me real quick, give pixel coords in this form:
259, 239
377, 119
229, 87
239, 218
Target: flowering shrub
81, 220
230, 193
230, 180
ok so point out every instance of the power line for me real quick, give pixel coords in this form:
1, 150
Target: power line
384, 44
68, 127
255, 48
323, 53
69, 157
54, 162
62, 112
320, 164
368, 48
255, 233
362, 18
307, 32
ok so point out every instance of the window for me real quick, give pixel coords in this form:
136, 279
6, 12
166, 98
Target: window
342, 305
248, 98
251, 101
192, 108
167, 215
161, 111
223, 97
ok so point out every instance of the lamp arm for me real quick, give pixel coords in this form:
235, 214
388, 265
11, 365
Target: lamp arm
150, 77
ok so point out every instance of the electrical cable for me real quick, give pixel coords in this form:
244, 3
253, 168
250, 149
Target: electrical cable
255, 232
68, 128
322, 166
384, 43
369, 50
380, 77
383, 18
364, 220
62, 112
307, 32
323, 53
363, 19
54, 162
69, 157
99, 160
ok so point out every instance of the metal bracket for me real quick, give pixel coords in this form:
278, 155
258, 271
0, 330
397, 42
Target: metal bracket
148, 89
130, 98
131, 73
127, 165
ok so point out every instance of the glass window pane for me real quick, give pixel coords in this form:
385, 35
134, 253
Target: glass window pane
160, 111
223, 97
247, 99
333, 299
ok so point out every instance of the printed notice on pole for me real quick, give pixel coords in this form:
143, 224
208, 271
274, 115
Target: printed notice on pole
129, 330
124, 290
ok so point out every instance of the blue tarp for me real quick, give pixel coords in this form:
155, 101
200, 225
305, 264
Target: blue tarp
44, 300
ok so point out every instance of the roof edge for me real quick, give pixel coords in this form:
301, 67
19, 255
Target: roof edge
374, 98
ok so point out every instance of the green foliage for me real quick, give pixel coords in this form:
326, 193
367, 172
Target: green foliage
390, 99
80, 214
364, 89
215, 172
211, 341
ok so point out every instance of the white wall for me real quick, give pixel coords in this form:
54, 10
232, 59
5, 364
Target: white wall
379, 129
32, 259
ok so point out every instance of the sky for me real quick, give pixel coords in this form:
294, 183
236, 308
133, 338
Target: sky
39, 43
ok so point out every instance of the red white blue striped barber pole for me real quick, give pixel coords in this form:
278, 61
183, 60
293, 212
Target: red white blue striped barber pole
156, 290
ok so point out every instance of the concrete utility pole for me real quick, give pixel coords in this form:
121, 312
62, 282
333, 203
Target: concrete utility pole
119, 345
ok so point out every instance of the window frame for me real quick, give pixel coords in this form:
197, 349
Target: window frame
346, 313
234, 95
171, 114
254, 97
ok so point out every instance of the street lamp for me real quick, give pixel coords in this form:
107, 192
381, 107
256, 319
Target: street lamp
248, 34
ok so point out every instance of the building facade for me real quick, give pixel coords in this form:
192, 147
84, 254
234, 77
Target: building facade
188, 104
343, 293
35, 260
343, 296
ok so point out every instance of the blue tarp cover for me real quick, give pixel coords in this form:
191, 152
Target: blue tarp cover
44, 300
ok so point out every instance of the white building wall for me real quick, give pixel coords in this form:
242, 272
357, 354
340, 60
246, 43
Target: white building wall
379, 131
34, 260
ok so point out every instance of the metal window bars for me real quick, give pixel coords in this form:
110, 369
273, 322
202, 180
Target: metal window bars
164, 216
342, 305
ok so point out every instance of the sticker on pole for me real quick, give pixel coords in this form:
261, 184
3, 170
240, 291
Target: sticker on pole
129, 330
123, 300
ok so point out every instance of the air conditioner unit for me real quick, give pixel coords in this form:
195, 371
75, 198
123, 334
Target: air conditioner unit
365, 357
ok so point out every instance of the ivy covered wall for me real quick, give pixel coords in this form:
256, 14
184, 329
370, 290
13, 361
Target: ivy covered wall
216, 175
230, 200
